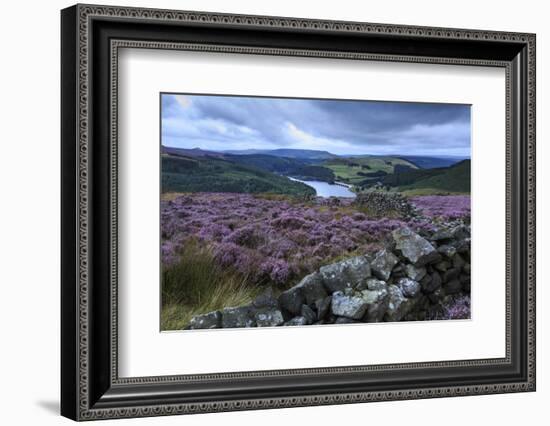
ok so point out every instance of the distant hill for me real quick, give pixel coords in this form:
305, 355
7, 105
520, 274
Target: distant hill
455, 178
303, 154
427, 162
205, 173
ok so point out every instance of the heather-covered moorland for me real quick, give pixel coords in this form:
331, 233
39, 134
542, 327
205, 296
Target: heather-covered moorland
289, 212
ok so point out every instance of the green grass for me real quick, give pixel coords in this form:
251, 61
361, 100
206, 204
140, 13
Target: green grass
348, 169
454, 179
197, 285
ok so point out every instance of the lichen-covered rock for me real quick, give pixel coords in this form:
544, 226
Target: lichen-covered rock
292, 300
409, 288
312, 288
432, 284
442, 266
206, 321
268, 317
296, 321
415, 273
383, 263
374, 284
345, 320
238, 317
441, 234
398, 305
377, 304
345, 274
461, 232
349, 306
413, 247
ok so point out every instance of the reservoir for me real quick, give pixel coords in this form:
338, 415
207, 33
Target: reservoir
325, 189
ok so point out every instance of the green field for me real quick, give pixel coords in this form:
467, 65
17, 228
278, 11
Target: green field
353, 169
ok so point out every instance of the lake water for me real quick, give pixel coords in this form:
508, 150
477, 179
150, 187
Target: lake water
325, 189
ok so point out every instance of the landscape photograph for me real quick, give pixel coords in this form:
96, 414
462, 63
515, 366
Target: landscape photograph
282, 212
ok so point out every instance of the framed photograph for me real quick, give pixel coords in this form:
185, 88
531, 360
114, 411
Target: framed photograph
263, 212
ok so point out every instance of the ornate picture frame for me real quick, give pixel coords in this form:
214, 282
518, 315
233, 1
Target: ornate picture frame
91, 37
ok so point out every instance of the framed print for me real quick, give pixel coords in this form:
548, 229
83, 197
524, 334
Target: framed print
263, 212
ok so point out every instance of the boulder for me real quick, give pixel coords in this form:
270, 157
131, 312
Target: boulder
442, 266
312, 288
323, 307
237, 317
377, 304
441, 234
206, 321
296, 321
458, 261
349, 306
453, 287
374, 284
415, 248
398, 305
415, 273
409, 288
269, 317
292, 300
450, 274
383, 263
461, 232
345, 320
308, 313
345, 274
266, 300
447, 250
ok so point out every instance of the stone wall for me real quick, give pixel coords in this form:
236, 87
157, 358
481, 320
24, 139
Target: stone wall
412, 279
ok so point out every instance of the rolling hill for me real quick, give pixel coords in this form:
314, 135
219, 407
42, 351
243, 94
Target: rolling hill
211, 174
455, 179
356, 169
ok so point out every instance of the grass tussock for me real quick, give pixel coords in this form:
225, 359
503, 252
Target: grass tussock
196, 285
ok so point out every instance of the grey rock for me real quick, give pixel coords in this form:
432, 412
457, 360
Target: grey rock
267, 317
415, 248
308, 314
447, 250
206, 321
296, 321
450, 274
237, 317
348, 306
374, 284
437, 296
467, 268
458, 262
323, 307
266, 300
377, 304
431, 284
463, 246
383, 263
415, 273
292, 300
398, 305
441, 234
409, 288
345, 320
312, 288
345, 274
461, 232
452, 287
442, 266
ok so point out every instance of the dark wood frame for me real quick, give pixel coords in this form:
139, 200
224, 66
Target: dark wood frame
90, 386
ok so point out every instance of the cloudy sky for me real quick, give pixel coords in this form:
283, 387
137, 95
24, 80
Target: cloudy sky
342, 127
